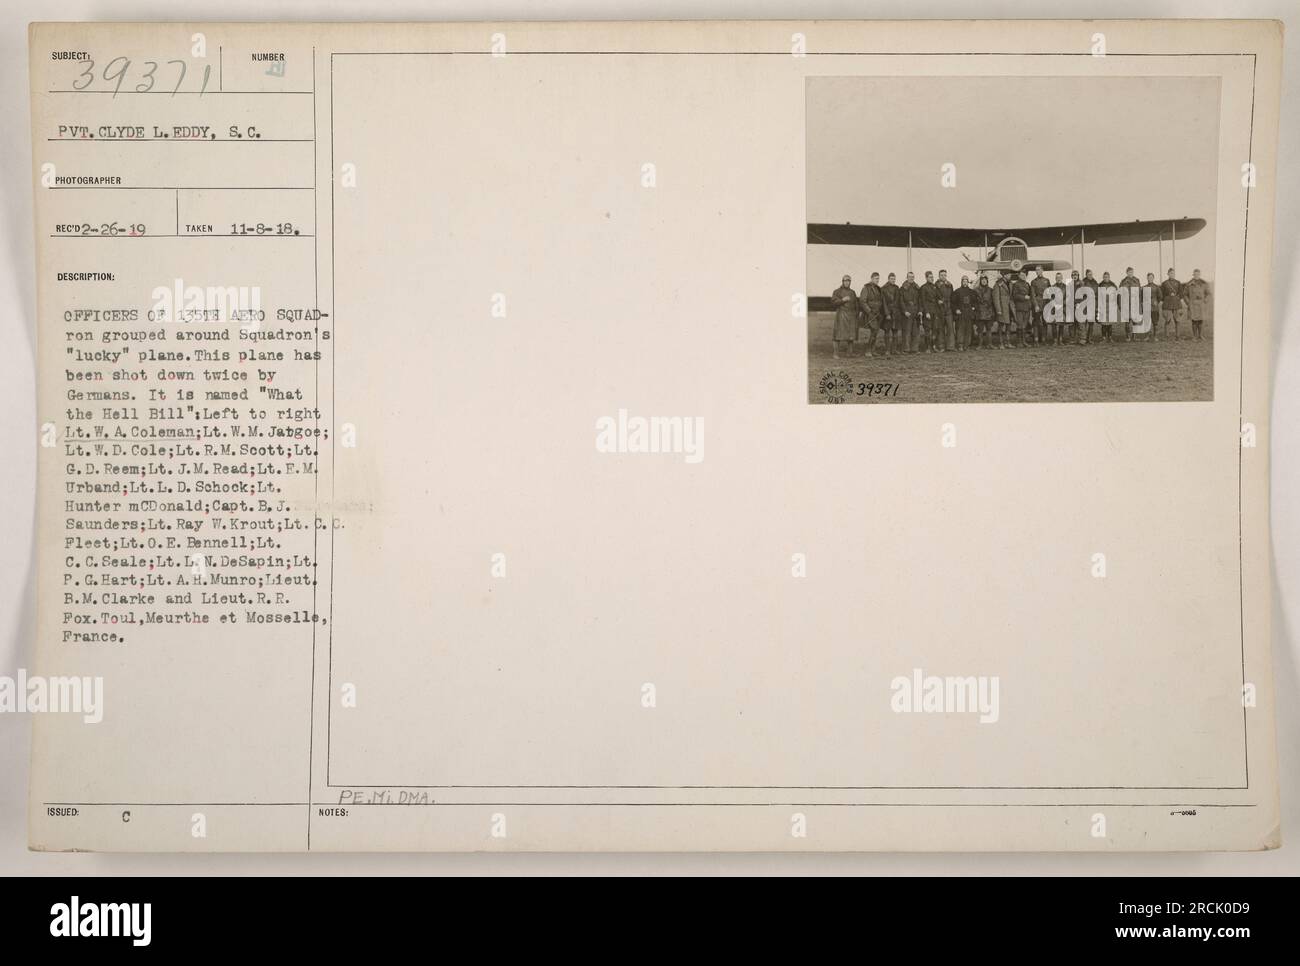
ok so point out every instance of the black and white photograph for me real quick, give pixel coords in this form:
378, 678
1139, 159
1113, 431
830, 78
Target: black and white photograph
1011, 239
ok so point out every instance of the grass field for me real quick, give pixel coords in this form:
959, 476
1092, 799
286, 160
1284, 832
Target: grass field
1118, 372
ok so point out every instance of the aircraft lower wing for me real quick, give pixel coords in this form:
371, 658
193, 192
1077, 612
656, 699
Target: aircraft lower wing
1029, 264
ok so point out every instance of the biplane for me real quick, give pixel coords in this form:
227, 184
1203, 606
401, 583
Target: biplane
1006, 250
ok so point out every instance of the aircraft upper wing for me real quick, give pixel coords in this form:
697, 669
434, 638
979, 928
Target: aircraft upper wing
1104, 233
1125, 232
895, 236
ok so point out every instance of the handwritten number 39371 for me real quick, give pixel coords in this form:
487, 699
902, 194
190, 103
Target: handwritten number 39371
116, 70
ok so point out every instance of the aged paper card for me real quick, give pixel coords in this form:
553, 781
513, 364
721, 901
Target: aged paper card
755, 436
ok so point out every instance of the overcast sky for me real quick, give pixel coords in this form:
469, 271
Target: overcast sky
1028, 151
